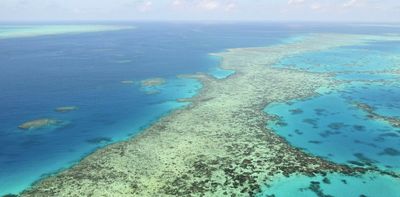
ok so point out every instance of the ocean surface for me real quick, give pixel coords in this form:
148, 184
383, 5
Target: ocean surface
40, 73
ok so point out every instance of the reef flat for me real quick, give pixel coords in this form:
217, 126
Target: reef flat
219, 145
19, 31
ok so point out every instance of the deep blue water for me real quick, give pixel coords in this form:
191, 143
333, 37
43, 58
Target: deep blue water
85, 70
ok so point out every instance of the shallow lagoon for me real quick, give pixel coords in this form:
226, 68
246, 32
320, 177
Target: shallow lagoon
353, 59
332, 185
366, 76
331, 124
383, 97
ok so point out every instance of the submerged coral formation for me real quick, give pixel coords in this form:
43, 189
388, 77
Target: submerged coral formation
66, 109
373, 115
219, 144
39, 123
127, 82
152, 82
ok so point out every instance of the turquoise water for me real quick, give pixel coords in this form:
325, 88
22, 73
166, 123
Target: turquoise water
369, 58
333, 185
296, 39
217, 71
384, 97
331, 125
220, 73
355, 76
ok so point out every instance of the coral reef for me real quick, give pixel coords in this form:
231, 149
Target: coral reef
395, 122
39, 123
219, 144
66, 109
152, 82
